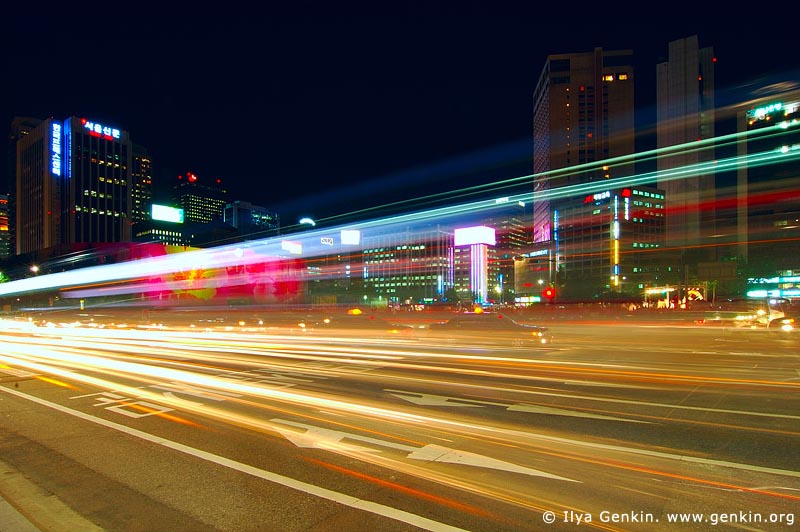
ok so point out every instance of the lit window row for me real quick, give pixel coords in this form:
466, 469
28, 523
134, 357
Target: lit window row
121, 182
648, 194
622, 76
95, 194
93, 210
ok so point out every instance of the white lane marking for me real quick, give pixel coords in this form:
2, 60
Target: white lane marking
317, 491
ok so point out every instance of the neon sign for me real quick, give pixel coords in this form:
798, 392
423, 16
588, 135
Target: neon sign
99, 130
55, 149
760, 113
597, 197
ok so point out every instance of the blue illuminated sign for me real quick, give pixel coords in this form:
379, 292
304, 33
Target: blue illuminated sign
55, 149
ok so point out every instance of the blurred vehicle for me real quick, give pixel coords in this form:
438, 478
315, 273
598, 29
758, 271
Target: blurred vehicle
489, 328
770, 312
785, 323
350, 322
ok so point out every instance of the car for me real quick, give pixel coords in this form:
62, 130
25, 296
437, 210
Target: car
489, 328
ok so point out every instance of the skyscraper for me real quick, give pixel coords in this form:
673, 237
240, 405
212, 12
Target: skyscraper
141, 184
20, 127
582, 113
72, 184
685, 112
583, 134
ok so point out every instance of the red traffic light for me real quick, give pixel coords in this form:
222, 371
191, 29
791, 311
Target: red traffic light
549, 293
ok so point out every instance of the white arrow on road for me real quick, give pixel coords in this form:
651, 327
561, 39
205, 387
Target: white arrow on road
437, 453
331, 440
428, 399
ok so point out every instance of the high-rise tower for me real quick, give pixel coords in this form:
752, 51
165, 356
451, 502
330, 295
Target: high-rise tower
141, 184
72, 185
685, 112
582, 113
583, 133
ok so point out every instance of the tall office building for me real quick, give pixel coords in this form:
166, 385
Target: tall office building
583, 110
685, 112
583, 134
72, 184
20, 127
141, 184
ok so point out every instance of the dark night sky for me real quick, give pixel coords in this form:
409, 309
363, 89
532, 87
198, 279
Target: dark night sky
321, 113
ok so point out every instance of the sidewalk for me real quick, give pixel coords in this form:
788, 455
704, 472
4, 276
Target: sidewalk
25, 507
13, 521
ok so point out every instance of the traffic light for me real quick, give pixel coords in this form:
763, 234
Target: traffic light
549, 293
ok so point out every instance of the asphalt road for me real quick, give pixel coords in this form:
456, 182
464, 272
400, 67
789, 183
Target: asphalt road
251, 428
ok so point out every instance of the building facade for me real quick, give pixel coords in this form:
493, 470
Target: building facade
201, 203
612, 239
251, 221
5, 234
402, 267
759, 208
511, 222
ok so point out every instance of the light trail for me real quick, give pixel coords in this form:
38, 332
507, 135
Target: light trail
193, 375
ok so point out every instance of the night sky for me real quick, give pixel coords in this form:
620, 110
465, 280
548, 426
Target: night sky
318, 112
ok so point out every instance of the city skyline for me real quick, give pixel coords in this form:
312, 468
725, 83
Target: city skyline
360, 114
